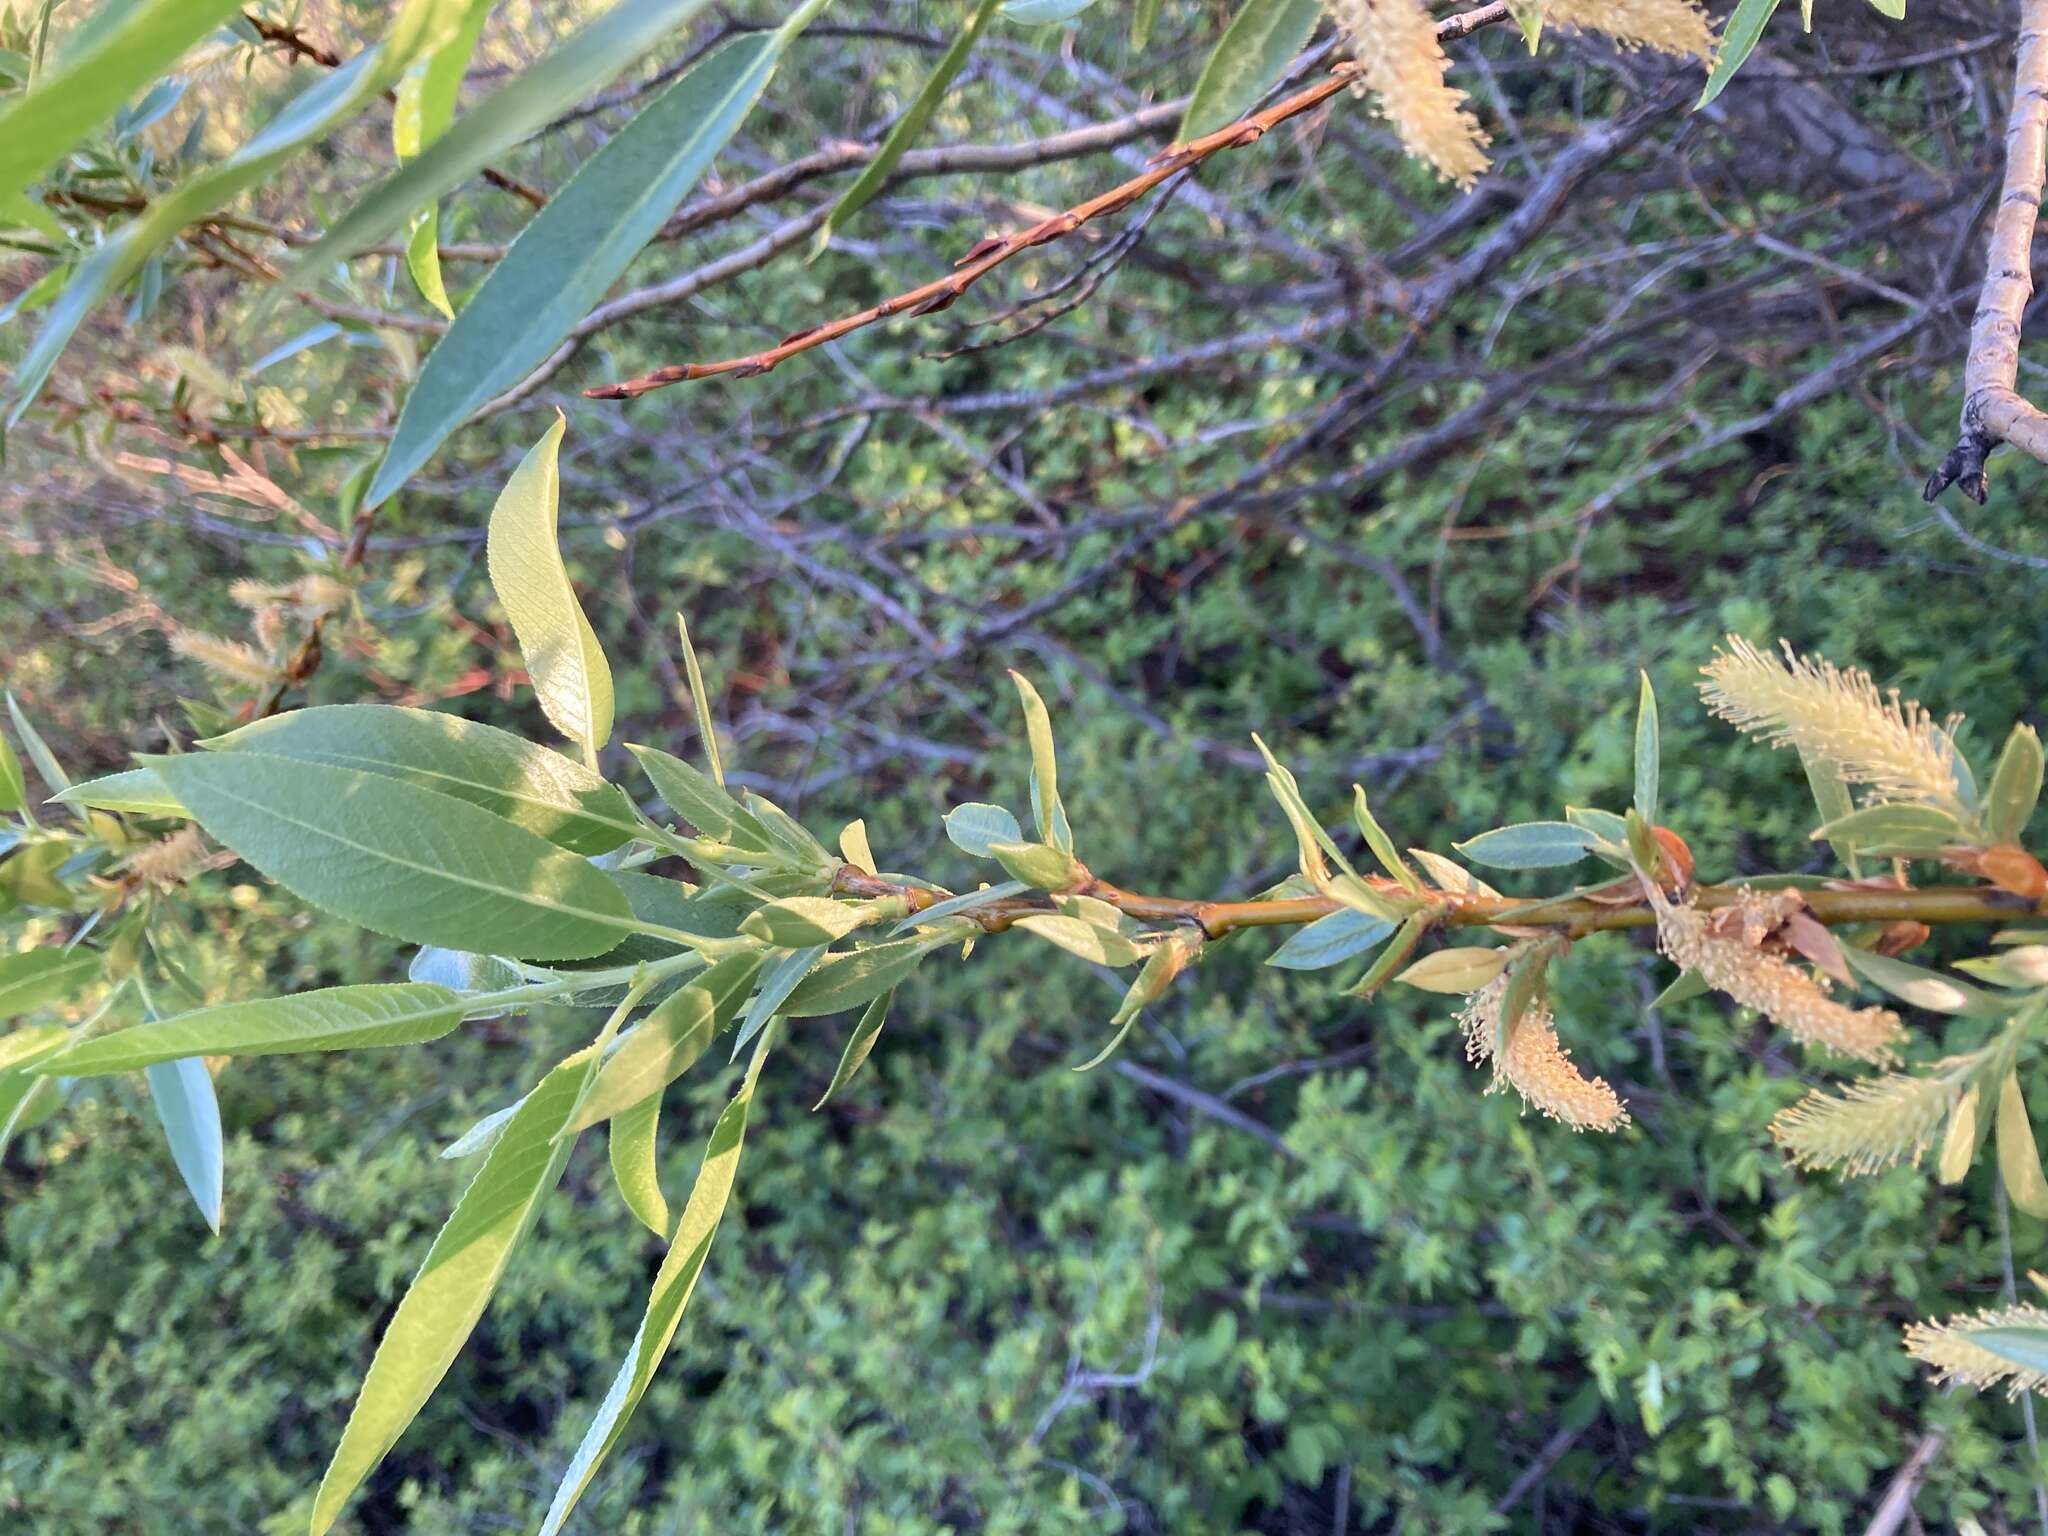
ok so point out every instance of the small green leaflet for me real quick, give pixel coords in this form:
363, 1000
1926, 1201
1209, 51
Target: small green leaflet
1745, 25
957, 904
424, 108
700, 701
1043, 13
2019, 1159
778, 979
334, 1019
671, 1295
137, 791
634, 1152
38, 976
1921, 987
859, 1044
1330, 940
182, 1094
13, 786
1045, 768
483, 1135
401, 860
453, 1286
528, 785
843, 981
2015, 787
1102, 946
668, 1041
1895, 825
563, 659
1262, 40
574, 249
797, 922
908, 127
1529, 845
696, 798
975, 828
1649, 752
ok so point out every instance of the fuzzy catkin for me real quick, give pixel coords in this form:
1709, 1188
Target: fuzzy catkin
1956, 1356
1869, 1126
231, 659
1669, 26
1401, 64
1536, 1066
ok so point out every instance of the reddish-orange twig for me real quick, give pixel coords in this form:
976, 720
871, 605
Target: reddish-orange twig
997, 249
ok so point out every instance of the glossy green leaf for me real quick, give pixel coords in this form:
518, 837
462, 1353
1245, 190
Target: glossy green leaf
483, 1135
697, 798
974, 828
2015, 787
798, 922
1649, 751
671, 1295
1251, 56
92, 80
423, 109
1932, 990
1382, 846
1605, 825
1528, 845
1457, 971
334, 1019
182, 1094
558, 82
1330, 941
563, 659
55, 779
669, 1040
909, 127
528, 785
37, 976
566, 259
401, 860
1745, 25
1102, 946
859, 1045
1045, 768
700, 701
957, 904
836, 983
1896, 827
633, 1150
136, 791
1036, 864
453, 1286
2019, 1160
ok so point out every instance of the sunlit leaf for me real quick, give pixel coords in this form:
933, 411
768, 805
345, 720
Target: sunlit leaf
669, 1040
1251, 56
182, 1094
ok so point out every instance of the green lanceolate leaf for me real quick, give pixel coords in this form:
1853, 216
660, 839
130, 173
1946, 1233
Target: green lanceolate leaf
421, 113
672, 1289
55, 779
1896, 828
93, 79
2025, 1347
1382, 846
1457, 971
1529, 845
1103, 946
909, 127
563, 659
574, 249
1043, 13
634, 1153
668, 1041
975, 828
1037, 864
401, 860
182, 1094
528, 785
700, 701
335, 1019
38, 976
2015, 787
1045, 768
698, 799
453, 1286
561, 80
956, 904
483, 1135
1959, 1140
1921, 987
859, 1045
136, 791
1254, 52
1649, 751
839, 982
21, 1048
1745, 25
13, 784
798, 922
1330, 941
2019, 1160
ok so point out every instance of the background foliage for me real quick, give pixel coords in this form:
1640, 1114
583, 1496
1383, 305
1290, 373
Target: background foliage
980, 1292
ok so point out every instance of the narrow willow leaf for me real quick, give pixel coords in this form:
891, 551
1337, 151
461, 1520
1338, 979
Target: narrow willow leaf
1896, 826
1044, 13
853, 846
697, 799
1393, 957
459, 971
1330, 941
1458, 971
1689, 985
182, 1094
13, 784
528, 785
1382, 846
668, 1041
671, 1295
2019, 1160
1039, 865
909, 127
1605, 825
839, 982
1143, 18
976, 828
1102, 946
2015, 787
25, 1098
953, 905
37, 976
1254, 52
335, 1019
562, 79
1959, 1141
1528, 845
1649, 751
136, 791
453, 1286
700, 701
1045, 768
1923, 988
859, 1045
785, 833
798, 922
634, 1152
563, 659
92, 80
420, 114
1745, 25
55, 779
401, 860
483, 1135
575, 248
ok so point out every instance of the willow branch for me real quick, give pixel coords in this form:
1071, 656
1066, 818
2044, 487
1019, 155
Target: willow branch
1994, 411
1573, 916
998, 249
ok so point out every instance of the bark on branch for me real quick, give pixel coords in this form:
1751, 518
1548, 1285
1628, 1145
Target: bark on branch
1994, 411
